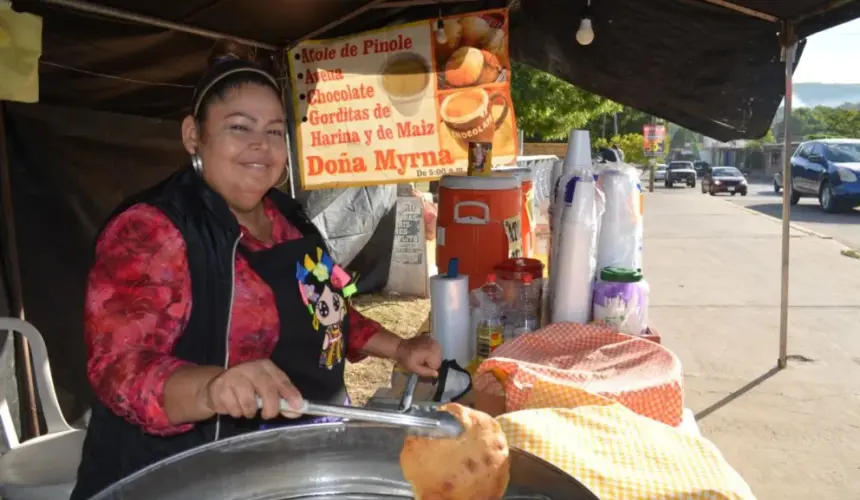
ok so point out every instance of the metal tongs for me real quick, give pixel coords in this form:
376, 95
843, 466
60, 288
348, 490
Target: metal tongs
418, 420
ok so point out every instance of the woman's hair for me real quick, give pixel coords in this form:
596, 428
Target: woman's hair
230, 66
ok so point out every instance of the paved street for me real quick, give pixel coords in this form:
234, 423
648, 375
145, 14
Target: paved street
714, 271
844, 228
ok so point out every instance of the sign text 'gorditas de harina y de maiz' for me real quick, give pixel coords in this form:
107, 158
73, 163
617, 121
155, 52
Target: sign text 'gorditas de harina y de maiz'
402, 104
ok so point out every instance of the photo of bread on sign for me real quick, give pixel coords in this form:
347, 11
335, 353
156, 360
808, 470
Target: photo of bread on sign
473, 52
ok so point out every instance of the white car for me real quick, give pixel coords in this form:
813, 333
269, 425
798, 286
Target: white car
680, 172
659, 173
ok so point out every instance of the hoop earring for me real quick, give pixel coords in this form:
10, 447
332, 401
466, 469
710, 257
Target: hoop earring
286, 178
197, 163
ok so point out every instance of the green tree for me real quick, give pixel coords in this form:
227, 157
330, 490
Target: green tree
757, 144
630, 121
683, 137
841, 122
547, 107
631, 144
820, 122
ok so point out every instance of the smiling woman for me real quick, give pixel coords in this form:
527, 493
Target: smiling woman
213, 290
237, 129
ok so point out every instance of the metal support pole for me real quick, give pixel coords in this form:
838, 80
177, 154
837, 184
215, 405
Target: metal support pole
334, 24
789, 48
24, 366
652, 164
396, 4
293, 162
112, 13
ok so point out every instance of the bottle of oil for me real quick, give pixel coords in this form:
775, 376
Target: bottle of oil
490, 307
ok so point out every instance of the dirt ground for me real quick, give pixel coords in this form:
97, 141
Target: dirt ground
401, 315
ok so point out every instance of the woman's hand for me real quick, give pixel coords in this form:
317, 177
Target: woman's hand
421, 355
234, 392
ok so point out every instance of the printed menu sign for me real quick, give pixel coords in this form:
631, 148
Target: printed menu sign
401, 104
653, 139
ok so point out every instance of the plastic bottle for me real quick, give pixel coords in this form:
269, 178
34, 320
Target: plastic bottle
490, 330
527, 307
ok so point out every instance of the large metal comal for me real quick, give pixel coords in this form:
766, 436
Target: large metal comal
324, 462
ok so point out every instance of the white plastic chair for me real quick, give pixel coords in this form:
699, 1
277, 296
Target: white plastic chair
46, 467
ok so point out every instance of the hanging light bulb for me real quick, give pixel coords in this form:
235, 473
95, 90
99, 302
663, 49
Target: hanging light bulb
585, 34
441, 36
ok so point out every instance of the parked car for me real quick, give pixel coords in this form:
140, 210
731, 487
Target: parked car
680, 172
660, 173
701, 167
777, 182
828, 169
724, 180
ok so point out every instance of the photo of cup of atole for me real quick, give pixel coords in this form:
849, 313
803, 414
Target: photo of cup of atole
405, 78
469, 116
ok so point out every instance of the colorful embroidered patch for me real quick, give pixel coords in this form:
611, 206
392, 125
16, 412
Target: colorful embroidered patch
324, 287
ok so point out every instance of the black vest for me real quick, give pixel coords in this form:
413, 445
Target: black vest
114, 448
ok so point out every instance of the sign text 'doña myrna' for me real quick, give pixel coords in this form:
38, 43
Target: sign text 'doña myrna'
396, 105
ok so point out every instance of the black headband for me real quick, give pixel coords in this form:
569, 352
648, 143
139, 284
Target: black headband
223, 68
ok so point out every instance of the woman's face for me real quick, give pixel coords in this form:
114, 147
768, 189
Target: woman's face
242, 144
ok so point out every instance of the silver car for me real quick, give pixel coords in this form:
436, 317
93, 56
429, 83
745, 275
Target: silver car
659, 173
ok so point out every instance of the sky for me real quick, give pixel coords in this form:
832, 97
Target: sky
831, 56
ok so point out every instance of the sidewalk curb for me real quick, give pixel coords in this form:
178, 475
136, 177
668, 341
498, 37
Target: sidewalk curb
844, 250
792, 225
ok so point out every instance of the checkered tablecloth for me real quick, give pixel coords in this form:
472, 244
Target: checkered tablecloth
642, 375
620, 455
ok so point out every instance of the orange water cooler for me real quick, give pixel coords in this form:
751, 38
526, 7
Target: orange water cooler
526, 177
473, 212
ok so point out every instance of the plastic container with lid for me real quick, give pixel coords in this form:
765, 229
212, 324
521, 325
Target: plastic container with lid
473, 212
511, 271
620, 300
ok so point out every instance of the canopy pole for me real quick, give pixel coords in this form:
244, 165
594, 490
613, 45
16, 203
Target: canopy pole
393, 4
789, 47
293, 164
334, 24
122, 15
743, 10
29, 410
292, 152
652, 162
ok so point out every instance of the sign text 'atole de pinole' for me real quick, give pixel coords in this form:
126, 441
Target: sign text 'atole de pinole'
402, 104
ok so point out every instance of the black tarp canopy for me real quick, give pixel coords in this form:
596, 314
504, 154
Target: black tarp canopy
712, 66
708, 65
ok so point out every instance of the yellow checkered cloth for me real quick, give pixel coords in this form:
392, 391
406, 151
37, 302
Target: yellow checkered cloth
620, 455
